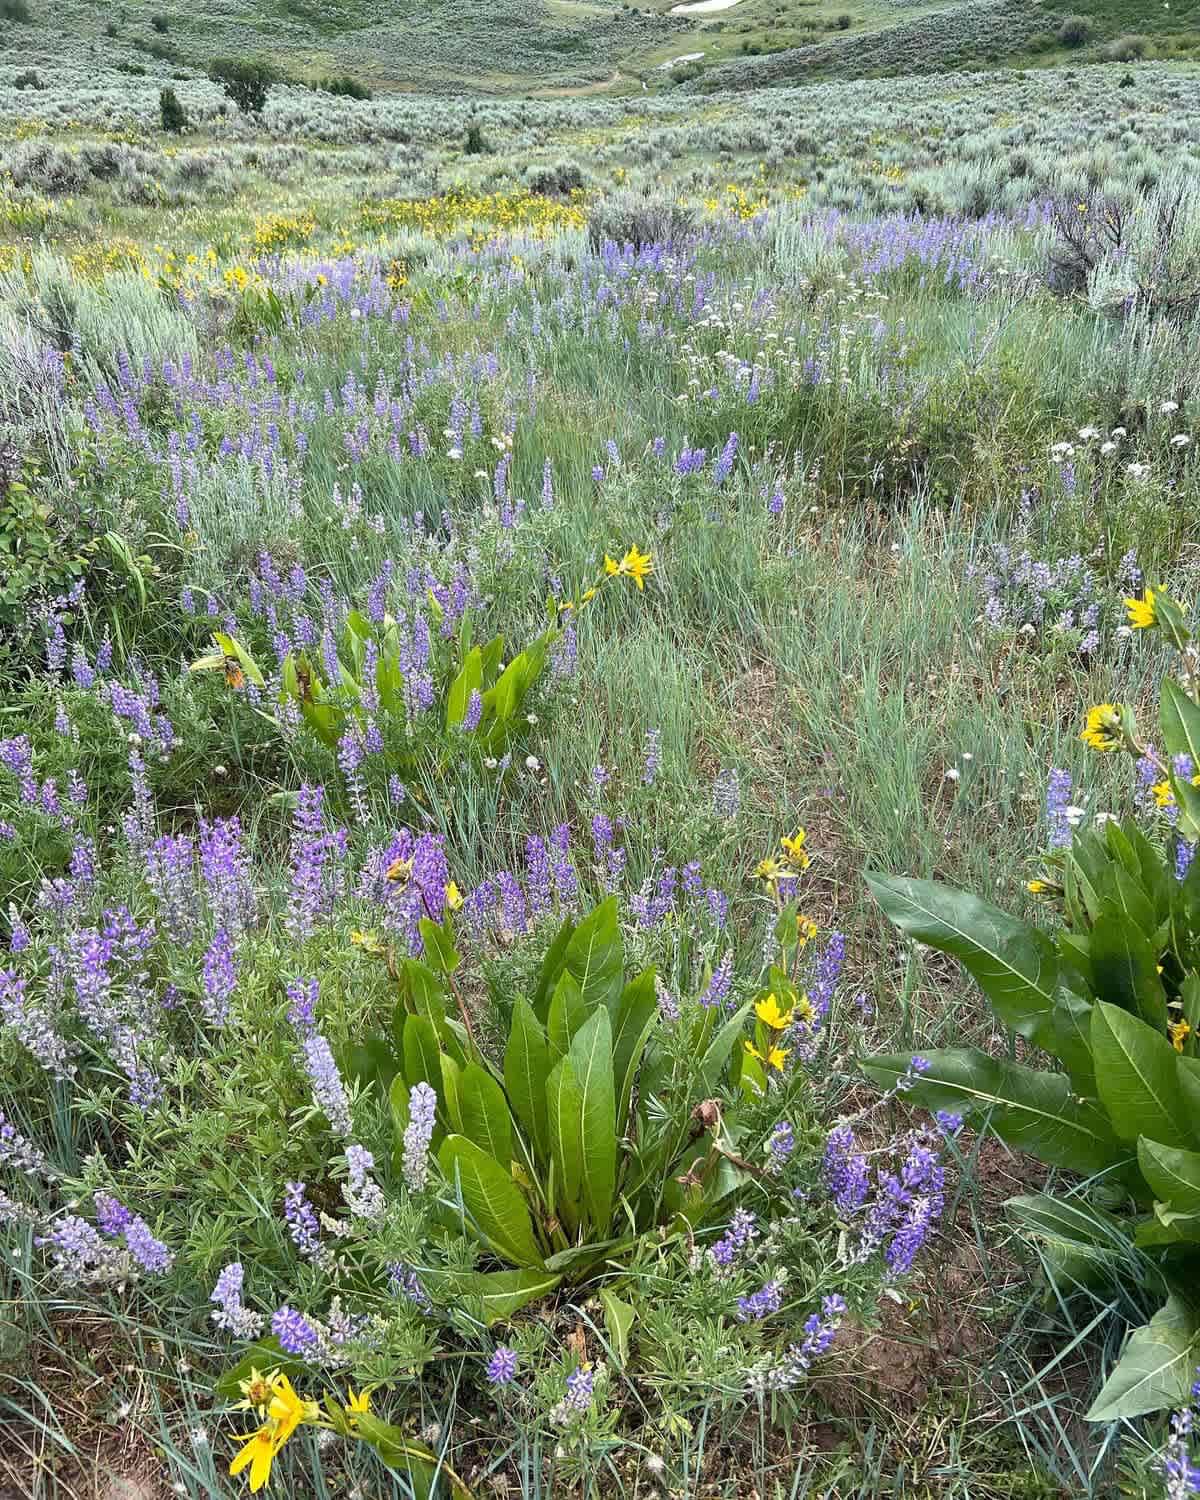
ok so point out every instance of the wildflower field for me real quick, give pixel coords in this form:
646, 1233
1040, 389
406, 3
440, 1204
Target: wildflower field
599, 768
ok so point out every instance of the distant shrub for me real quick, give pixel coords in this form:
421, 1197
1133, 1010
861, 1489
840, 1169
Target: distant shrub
1075, 31
558, 181
161, 24
1128, 48
345, 87
637, 219
245, 82
28, 80
475, 145
171, 112
15, 10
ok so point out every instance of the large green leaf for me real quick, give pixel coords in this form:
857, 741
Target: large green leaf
1034, 1110
564, 1113
469, 680
496, 1294
568, 1011
1015, 965
1136, 1078
592, 1064
636, 1015
484, 1112
526, 1064
595, 956
1175, 1177
1157, 1369
1125, 966
492, 1199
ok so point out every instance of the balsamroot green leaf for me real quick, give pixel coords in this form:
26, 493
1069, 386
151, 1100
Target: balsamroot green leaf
564, 1117
552, 967
468, 681
427, 1474
1027, 1107
1125, 966
568, 1011
1015, 965
496, 1294
484, 1112
492, 1199
1175, 1177
1136, 1078
1157, 1369
595, 956
592, 1064
716, 1059
526, 1065
618, 1321
422, 1055
636, 1016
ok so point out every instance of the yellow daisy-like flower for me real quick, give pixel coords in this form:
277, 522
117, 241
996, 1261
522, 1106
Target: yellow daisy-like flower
1103, 730
1141, 611
794, 851
1179, 1032
769, 870
774, 1057
453, 896
769, 1013
636, 565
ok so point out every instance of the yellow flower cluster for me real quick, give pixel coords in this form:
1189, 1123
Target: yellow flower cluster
104, 257
279, 231
452, 213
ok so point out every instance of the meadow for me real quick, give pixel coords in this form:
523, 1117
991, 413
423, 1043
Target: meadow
520, 621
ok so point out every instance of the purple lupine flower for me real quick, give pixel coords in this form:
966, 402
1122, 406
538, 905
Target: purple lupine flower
717, 989
780, 1145
502, 1367
295, 1333
111, 1215
653, 756
406, 1283
362, 1193
220, 979
302, 1222
328, 1090
579, 1390
171, 875
149, 1253
727, 794
18, 1152
537, 876
761, 1304
422, 1114
1058, 798
847, 1172
302, 1009
230, 1313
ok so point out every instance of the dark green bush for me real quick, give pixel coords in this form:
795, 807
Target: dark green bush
171, 112
245, 83
1075, 31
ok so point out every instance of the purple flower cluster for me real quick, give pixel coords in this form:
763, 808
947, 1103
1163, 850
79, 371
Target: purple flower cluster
231, 1315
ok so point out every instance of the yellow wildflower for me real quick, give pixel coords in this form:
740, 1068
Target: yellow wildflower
453, 896
794, 850
769, 1013
1141, 611
1103, 731
774, 1057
